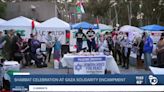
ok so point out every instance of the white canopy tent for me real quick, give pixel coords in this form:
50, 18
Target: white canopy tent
19, 24
2, 21
54, 24
133, 31
128, 28
57, 26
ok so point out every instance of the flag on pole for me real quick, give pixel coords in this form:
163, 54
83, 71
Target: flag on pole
33, 30
79, 7
97, 21
32, 26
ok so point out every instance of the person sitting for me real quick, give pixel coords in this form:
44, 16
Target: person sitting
35, 45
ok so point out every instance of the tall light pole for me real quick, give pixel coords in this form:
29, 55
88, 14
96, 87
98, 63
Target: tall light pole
130, 13
116, 13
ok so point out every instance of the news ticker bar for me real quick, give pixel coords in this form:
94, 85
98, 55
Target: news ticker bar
25, 81
66, 88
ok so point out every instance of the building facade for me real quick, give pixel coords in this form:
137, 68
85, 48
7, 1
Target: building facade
39, 10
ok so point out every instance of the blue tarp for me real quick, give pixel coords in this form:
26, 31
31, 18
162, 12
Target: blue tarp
153, 27
84, 25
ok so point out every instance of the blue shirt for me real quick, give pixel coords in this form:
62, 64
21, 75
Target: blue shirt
57, 46
148, 45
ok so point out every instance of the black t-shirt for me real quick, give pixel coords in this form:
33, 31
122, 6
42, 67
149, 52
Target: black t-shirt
90, 33
79, 36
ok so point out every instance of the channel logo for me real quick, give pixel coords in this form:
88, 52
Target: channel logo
153, 80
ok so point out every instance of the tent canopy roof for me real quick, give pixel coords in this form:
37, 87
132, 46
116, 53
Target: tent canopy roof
84, 25
53, 23
2, 20
19, 22
153, 27
128, 28
104, 26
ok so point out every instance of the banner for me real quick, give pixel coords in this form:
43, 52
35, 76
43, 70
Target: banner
89, 65
22, 82
61, 35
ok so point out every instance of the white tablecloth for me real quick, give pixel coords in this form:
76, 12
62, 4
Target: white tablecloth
67, 61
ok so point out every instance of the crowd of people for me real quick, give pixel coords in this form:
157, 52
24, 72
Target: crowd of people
14, 48
120, 45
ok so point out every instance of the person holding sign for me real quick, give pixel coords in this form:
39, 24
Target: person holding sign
91, 40
79, 42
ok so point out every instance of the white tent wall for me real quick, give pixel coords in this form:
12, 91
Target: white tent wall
26, 31
21, 24
57, 26
59, 33
53, 24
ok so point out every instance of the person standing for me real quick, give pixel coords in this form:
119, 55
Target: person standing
49, 45
118, 47
127, 50
100, 43
79, 39
1, 46
138, 44
148, 49
160, 51
9, 44
57, 50
91, 40
18, 44
57, 53
110, 42
114, 45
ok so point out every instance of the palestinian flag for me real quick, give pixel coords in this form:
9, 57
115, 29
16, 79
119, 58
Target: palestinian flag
79, 7
97, 22
33, 30
32, 26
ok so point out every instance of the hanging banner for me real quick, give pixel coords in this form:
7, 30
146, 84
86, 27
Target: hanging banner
61, 35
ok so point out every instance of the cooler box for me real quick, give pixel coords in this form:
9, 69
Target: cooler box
9, 67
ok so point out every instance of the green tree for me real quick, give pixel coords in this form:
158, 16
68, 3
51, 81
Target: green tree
2, 9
